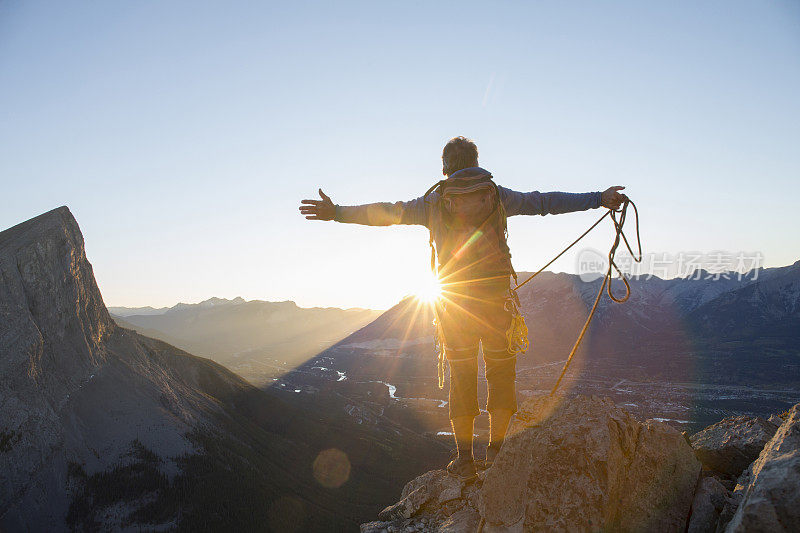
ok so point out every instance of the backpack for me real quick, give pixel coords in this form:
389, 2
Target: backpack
468, 232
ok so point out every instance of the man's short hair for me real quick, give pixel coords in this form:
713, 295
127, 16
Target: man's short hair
459, 153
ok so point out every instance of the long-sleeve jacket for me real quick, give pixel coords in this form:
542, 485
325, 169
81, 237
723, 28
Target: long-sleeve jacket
417, 211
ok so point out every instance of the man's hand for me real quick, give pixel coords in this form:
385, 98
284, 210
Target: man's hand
318, 209
611, 199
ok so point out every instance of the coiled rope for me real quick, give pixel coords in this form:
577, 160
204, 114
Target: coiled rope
619, 235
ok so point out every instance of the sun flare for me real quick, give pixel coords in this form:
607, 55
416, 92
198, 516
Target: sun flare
429, 291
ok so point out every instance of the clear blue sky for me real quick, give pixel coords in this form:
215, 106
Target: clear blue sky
182, 135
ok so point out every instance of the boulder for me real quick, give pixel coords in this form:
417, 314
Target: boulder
581, 463
569, 464
438, 484
465, 519
771, 489
730, 445
709, 501
435, 486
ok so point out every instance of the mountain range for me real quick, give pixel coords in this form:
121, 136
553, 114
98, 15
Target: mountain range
689, 349
256, 339
681, 329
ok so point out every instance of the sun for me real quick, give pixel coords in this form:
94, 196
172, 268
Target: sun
429, 291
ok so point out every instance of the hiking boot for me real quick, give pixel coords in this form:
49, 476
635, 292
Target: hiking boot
491, 454
462, 468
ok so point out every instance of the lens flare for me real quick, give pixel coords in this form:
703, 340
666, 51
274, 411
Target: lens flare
429, 291
331, 468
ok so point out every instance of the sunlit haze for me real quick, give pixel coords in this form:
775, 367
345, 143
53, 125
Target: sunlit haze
183, 135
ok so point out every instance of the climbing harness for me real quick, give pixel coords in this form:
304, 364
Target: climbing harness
618, 224
517, 332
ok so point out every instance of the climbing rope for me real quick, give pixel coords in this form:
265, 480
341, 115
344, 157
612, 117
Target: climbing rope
619, 234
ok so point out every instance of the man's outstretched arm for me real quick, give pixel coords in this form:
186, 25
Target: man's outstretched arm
377, 214
554, 203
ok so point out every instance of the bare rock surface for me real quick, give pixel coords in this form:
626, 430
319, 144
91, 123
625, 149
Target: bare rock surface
770, 488
776, 420
730, 445
434, 501
581, 463
570, 464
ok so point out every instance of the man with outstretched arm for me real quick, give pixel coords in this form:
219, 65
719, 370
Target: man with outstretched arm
466, 215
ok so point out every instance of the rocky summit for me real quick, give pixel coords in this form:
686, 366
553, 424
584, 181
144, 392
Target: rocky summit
579, 463
574, 463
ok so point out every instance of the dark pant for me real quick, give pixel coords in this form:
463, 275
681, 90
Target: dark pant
467, 321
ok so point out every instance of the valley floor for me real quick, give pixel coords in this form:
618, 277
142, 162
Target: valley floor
412, 398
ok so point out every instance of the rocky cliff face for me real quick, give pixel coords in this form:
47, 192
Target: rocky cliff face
74, 387
50, 304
